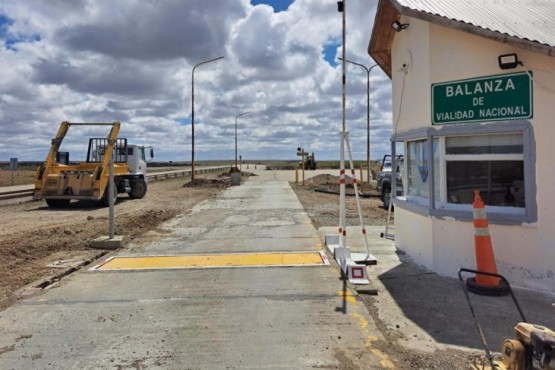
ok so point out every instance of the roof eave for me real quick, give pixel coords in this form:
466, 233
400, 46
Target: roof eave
379, 46
479, 31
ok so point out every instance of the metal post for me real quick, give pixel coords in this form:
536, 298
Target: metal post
368, 175
13, 166
342, 225
111, 198
239, 115
368, 70
193, 115
236, 142
302, 163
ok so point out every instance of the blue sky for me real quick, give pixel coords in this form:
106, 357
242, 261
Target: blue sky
278, 5
132, 61
282, 5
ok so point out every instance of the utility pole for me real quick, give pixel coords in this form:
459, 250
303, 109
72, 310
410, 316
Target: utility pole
193, 115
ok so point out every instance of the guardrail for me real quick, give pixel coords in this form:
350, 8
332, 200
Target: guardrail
30, 190
12, 194
174, 174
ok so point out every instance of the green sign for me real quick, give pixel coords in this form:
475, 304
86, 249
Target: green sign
491, 98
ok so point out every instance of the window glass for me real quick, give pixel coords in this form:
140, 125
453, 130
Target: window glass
417, 168
437, 168
484, 144
501, 183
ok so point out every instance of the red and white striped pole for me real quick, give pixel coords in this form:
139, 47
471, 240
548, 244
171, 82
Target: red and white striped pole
342, 216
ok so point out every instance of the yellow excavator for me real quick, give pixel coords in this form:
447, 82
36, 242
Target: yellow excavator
58, 181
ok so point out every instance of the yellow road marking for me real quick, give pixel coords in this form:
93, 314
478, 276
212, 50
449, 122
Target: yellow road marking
214, 260
349, 297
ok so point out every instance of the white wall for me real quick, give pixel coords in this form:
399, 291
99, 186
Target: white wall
414, 109
525, 254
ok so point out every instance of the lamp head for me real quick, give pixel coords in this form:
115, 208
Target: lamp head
340, 6
398, 26
508, 61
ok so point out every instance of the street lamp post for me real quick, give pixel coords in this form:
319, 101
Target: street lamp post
239, 115
193, 115
369, 177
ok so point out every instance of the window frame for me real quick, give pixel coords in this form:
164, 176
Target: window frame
439, 208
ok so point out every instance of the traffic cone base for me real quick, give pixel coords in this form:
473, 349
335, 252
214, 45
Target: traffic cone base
489, 290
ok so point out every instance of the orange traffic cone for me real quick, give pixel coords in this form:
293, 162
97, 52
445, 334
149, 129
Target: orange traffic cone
485, 260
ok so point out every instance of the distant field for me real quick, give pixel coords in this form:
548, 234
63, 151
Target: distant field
26, 173
20, 177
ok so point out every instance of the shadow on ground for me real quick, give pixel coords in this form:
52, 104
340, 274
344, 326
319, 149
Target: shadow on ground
437, 305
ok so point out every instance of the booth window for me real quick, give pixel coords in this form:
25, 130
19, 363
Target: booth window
445, 165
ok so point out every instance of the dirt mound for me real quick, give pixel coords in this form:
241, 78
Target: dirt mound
330, 183
327, 179
222, 181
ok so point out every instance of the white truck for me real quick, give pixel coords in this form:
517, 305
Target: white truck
383, 179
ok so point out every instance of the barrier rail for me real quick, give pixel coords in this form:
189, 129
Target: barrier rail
29, 191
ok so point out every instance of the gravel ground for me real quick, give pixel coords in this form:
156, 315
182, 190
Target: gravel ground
34, 236
320, 199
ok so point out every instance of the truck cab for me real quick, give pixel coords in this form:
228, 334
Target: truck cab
137, 158
384, 183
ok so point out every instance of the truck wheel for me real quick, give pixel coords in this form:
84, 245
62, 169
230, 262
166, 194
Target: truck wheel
57, 203
138, 189
105, 201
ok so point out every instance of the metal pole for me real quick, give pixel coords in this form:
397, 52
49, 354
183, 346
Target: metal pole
239, 115
369, 177
111, 198
193, 115
193, 125
236, 141
303, 165
342, 224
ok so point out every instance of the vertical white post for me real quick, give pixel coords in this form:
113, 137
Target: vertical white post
342, 218
359, 209
302, 164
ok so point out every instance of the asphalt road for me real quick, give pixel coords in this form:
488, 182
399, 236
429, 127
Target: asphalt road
243, 317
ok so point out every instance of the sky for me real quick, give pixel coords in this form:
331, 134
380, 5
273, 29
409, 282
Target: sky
131, 61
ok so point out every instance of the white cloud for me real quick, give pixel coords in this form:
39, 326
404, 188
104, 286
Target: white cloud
132, 61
